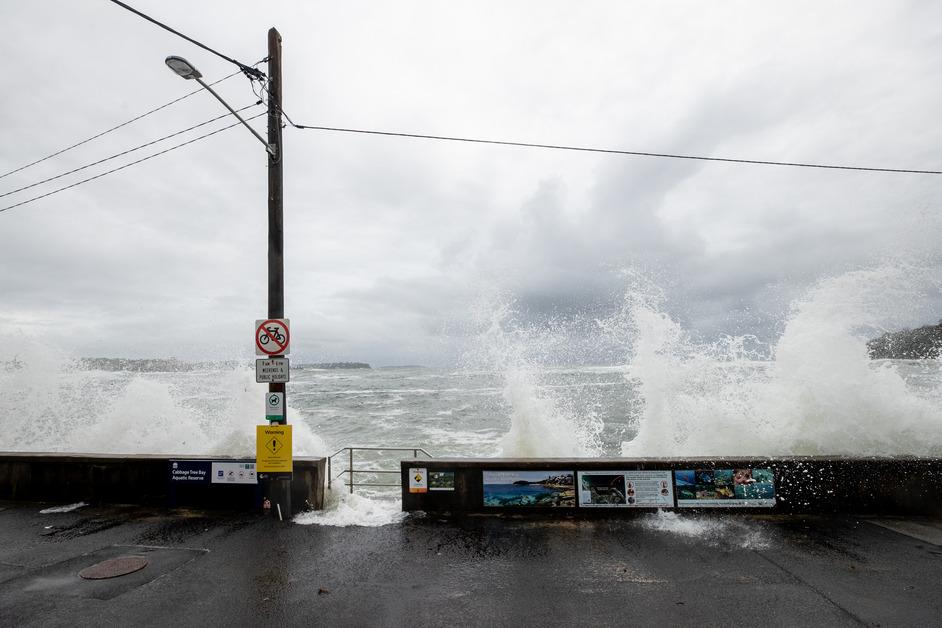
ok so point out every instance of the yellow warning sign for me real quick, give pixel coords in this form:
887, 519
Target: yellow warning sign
273, 449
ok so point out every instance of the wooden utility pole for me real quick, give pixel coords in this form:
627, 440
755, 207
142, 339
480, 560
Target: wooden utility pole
279, 487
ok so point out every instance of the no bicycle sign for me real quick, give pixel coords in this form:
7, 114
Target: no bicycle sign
272, 336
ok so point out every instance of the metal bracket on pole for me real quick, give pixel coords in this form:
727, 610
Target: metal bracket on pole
268, 147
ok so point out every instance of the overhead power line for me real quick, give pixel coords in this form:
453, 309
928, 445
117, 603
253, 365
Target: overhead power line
125, 152
610, 151
248, 70
115, 128
586, 149
128, 165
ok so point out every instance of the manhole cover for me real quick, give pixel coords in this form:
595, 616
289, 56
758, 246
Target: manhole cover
114, 567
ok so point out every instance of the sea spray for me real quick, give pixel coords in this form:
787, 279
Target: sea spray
722, 531
52, 402
817, 391
541, 425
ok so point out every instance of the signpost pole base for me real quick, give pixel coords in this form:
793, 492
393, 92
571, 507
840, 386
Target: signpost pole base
277, 489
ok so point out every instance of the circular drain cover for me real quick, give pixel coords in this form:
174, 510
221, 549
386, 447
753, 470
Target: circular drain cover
114, 567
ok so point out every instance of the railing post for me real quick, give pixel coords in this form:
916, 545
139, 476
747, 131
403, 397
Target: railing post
351, 470
330, 475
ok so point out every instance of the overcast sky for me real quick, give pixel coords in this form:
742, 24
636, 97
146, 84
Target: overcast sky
391, 242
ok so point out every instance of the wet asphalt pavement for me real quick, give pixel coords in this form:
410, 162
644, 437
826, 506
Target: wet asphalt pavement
217, 569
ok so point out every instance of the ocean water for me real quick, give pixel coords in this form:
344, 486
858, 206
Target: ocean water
813, 390
447, 412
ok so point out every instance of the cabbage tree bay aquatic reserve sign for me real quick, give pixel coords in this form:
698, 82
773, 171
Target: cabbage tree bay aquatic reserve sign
272, 371
725, 488
272, 336
190, 471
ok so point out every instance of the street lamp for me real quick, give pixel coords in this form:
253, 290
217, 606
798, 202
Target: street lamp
279, 485
184, 68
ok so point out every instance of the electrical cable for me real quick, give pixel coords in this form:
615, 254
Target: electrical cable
761, 162
115, 128
122, 153
128, 165
611, 151
247, 70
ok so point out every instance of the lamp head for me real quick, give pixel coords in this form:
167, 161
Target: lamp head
183, 67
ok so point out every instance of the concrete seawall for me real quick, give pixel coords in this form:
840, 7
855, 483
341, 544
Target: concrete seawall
810, 484
142, 479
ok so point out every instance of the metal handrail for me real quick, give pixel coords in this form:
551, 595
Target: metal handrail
351, 470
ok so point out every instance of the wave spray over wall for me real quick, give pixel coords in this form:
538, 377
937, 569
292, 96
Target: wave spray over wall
815, 391
52, 402
541, 423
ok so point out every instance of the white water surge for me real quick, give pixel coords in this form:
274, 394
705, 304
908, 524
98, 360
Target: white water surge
817, 393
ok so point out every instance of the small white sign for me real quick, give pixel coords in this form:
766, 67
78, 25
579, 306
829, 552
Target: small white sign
272, 371
418, 481
275, 406
272, 336
234, 473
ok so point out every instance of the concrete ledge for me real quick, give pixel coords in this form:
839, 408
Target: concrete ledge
809, 484
141, 479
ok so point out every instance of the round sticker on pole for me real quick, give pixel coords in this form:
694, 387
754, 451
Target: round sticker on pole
272, 336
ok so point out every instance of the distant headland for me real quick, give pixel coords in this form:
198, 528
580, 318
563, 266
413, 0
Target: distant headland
924, 343
173, 365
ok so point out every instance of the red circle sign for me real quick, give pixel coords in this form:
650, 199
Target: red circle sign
272, 337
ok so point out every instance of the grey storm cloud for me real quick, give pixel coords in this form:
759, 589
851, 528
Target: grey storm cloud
391, 242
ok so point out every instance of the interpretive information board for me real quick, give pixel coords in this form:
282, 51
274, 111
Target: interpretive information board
725, 488
441, 481
625, 489
234, 473
418, 480
534, 489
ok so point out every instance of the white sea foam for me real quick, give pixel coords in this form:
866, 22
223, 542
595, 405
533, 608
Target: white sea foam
350, 509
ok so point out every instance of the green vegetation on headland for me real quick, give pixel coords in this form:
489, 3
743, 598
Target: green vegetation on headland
924, 343
553, 481
339, 365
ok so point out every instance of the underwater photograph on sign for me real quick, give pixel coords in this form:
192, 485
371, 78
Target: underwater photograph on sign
542, 489
625, 489
725, 488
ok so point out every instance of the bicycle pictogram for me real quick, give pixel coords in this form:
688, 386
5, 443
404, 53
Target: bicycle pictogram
272, 333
